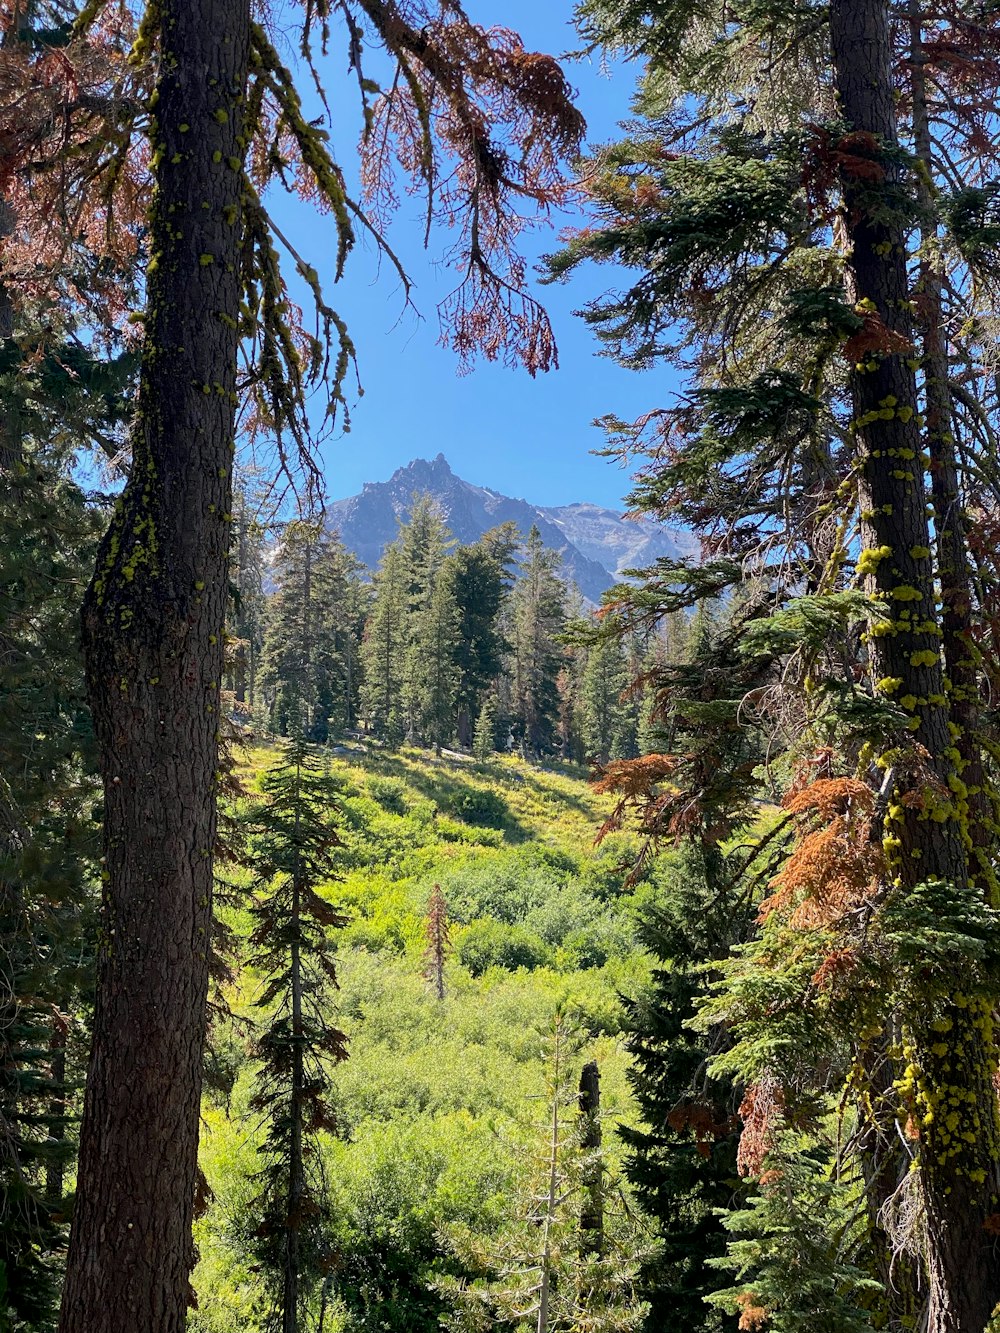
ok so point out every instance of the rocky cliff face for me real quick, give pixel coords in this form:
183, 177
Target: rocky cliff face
595, 544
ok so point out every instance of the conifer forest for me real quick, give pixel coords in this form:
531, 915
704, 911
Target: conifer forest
418, 945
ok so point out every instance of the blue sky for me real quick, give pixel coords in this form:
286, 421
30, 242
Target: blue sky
497, 427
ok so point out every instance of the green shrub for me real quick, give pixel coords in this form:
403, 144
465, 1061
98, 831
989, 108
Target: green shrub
379, 936
595, 944
390, 793
568, 908
480, 805
500, 886
487, 944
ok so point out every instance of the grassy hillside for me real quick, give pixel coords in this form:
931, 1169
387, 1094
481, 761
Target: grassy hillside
438, 1104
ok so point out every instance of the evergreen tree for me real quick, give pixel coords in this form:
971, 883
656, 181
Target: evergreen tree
430, 628
307, 660
665, 643
484, 742
48, 796
537, 620
424, 540
290, 852
578, 631
482, 583
350, 612
246, 625
385, 648
436, 638
797, 1241
608, 721
682, 1162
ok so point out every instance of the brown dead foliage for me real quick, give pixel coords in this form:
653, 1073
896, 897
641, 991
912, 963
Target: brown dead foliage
484, 127
706, 1122
753, 1315
836, 863
876, 336
761, 1111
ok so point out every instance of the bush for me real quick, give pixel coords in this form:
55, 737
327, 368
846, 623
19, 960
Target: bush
595, 944
480, 805
603, 874
568, 908
487, 944
503, 886
390, 793
383, 936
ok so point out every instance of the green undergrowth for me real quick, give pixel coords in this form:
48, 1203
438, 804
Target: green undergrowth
438, 1105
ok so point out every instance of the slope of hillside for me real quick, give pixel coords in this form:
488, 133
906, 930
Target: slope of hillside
595, 544
438, 1104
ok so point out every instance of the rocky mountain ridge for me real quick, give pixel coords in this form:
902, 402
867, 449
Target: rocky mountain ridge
596, 544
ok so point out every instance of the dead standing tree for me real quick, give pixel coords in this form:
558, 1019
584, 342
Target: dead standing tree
438, 940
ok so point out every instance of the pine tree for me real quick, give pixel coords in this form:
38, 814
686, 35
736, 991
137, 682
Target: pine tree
48, 796
384, 649
665, 643
308, 654
423, 541
435, 675
682, 1161
608, 723
484, 742
349, 618
537, 620
794, 1247
482, 583
578, 629
291, 851
246, 624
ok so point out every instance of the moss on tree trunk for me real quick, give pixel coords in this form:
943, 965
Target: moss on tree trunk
153, 631
949, 1053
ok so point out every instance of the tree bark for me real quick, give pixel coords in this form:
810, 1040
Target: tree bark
153, 638
959, 1174
953, 564
592, 1212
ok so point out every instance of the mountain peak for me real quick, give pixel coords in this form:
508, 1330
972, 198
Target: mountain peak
423, 472
595, 544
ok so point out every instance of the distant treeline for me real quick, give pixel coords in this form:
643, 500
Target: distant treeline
481, 645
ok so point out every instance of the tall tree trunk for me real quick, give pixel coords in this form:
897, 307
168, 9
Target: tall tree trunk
464, 727
592, 1212
950, 528
959, 1136
153, 638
